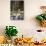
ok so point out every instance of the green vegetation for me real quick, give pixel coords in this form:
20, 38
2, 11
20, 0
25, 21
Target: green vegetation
41, 17
11, 31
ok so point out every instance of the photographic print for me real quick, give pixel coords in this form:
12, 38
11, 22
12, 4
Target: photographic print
17, 9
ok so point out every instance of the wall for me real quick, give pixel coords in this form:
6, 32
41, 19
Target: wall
29, 25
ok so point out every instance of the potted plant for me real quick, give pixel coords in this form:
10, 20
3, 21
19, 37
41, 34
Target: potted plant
42, 19
42, 16
10, 31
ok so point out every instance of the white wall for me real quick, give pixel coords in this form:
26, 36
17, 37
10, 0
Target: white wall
29, 24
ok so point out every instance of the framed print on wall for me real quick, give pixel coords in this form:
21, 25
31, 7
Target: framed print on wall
17, 9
